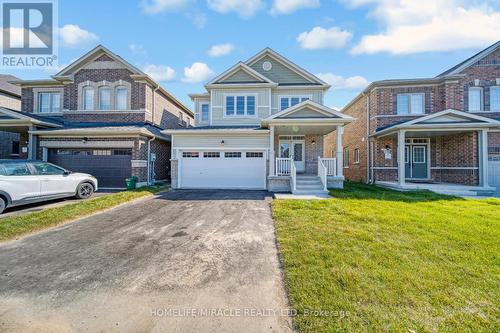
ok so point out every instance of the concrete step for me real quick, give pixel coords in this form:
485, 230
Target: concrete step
308, 182
309, 186
307, 177
308, 192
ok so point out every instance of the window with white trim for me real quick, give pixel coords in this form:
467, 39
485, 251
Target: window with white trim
254, 154
211, 154
289, 101
88, 98
475, 99
232, 154
49, 102
104, 98
495, 98
190, 154
240, 106
410, 103
121, 97
204, 112
346, 157
356, 156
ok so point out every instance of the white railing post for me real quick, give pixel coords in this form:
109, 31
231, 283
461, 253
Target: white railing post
293, 175
322, 172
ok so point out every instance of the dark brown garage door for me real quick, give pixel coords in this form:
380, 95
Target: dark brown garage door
109, 166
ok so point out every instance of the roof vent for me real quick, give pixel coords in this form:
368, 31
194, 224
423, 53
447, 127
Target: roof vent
267, 66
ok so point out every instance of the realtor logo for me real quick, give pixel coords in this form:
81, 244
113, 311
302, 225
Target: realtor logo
28, 33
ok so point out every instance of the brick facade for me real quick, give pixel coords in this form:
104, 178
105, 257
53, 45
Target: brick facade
447, 151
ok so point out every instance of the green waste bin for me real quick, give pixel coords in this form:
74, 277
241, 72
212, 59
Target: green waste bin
131, 182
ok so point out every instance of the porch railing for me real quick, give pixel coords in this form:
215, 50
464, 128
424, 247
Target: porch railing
330, 165
323, 172
283, 166
293, 178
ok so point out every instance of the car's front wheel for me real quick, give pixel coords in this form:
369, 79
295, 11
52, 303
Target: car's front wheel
3, 204
84, 191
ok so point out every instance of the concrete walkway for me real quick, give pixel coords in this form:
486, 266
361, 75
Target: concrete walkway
185, 261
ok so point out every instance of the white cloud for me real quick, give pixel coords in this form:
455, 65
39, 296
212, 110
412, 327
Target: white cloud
321, 38
244, 8
356, 82
74, 36
137, 49
221, 50
160, 72
198, 19
198, 72
158, 6
290, 6
428, 25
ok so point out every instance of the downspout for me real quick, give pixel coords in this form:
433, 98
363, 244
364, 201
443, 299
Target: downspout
149, 159
368, 151
154, 104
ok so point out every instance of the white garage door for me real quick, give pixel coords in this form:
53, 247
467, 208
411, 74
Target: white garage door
223, 169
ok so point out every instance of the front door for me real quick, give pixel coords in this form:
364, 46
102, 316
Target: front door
416, 163
296, 151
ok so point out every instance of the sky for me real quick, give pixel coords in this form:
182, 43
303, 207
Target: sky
348, 43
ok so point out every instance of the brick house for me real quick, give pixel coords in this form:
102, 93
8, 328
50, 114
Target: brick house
99, 115
446, 127
10, 97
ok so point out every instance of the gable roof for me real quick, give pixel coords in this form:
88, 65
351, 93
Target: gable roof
240, 66
90, 56
8, 116
324, 113
471, 61
444, 119
287, 63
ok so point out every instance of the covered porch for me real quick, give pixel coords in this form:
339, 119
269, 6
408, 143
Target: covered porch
445, 152
21, 123
297, 162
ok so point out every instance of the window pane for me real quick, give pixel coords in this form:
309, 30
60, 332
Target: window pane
230, 105
495, 98
240, 105
44, 102
204, 112
251, 105
474, 99
284, 103
304, 99
254, 154
105, 98
294, 101
232, 154
402, 104
56, 102
121, 98
15, 169
88, 98
417, 104
211, 154
47, 169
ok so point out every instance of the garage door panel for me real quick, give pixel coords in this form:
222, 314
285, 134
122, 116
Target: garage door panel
109, 169
231, 173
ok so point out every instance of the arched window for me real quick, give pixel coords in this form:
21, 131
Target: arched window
121, 96
105, 98
88, 98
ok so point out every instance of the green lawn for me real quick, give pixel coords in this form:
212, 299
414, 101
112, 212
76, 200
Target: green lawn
15, 226
394, 262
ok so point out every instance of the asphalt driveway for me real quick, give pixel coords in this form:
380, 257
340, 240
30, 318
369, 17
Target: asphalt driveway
184, 261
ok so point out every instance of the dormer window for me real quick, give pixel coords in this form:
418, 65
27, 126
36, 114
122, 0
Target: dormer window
88, 98
121, 96
104, 98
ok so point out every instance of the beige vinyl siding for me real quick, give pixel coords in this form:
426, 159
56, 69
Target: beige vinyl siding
218, 104
316, 96
279, 73
197, 111
240, 76
214, 141
307, 113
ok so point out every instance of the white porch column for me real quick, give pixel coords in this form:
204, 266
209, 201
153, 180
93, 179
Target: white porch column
340, 151
401, 157
483, 157
45, 154
271, 151
31, 144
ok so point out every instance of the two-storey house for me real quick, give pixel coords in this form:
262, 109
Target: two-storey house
99, 115
433, 133
10, 97
259, 125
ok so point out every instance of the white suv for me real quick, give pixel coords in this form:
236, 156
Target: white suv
25, 182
